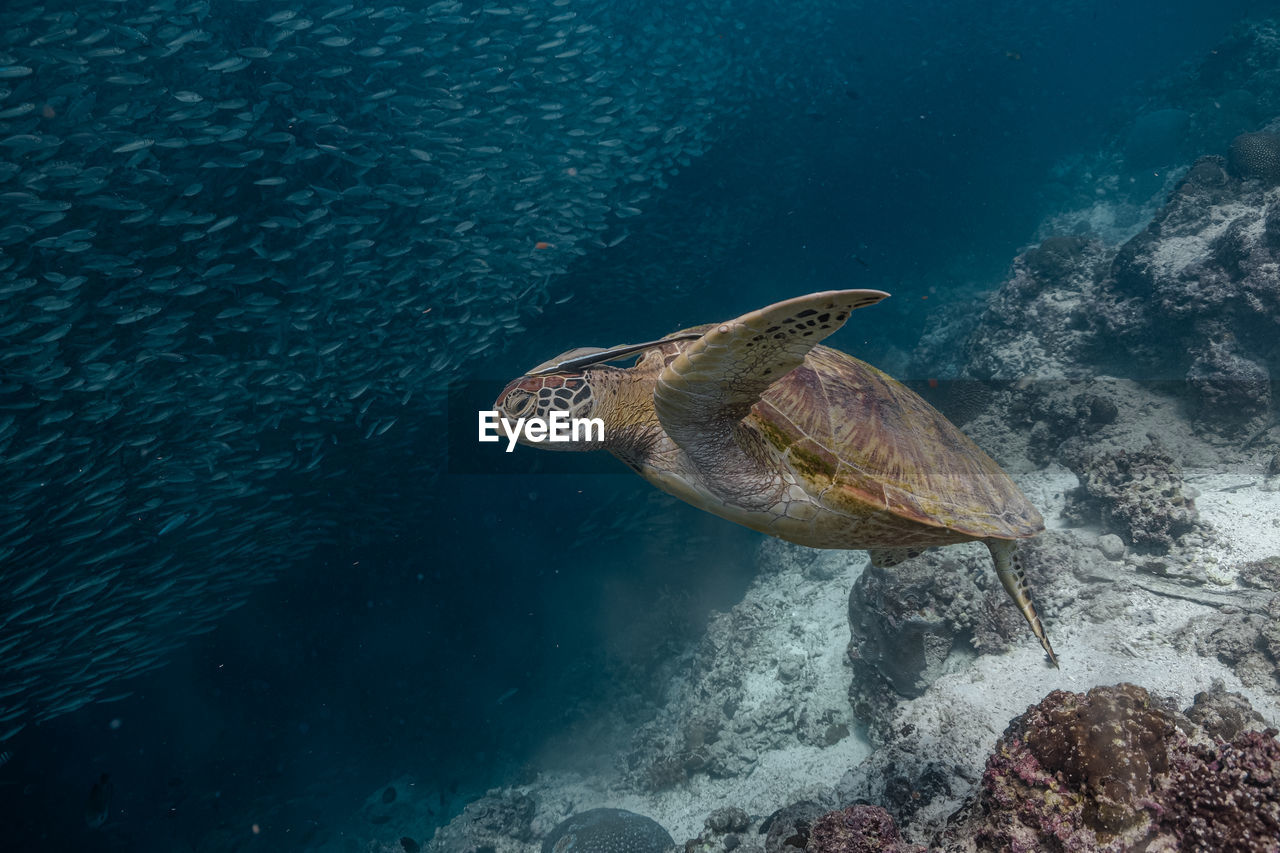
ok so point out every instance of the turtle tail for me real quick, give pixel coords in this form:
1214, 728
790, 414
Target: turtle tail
1009, 569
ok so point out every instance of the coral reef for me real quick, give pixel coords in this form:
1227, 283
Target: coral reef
1193, 298
1257, 156
789, 829
608, 831
724, 832
1248, 642
905, 621
1195, 295
1223, 715
1137, 495
1064, 417
765, 675
858, 829
1225, 798
1229, 390
1113, 770
1035, 324
499, 822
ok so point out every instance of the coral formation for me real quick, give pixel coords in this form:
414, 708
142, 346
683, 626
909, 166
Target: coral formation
1256, 155
1112, 770
608, 831
1137, 495
1107, 744
789, 829
765, 675
500, 820
1035, 324
1223, 715
905, 621
1064, 417
1230, 390
723, 833
858, 829
1248, 642
1225, 798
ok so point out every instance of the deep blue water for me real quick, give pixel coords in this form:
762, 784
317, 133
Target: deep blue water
909, 147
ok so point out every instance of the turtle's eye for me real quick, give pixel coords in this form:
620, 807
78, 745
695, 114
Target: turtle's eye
519, 403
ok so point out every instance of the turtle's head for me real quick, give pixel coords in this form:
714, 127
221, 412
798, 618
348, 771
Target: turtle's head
553, 409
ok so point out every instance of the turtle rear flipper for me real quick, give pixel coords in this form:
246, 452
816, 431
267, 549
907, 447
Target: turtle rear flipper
718, 377
1004, 552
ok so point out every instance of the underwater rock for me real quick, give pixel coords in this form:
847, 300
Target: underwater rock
1248, 642
608, 831
1056, 258
1064, 417
1110, 770
501, 820
1206, 182
1193, 296
728, 819
905, 621
1138, 495
1111, 546
904, 781
1233, 392
858, 829
1256, 156
1260, 574
1036, 324
789, 829
896, 624
1223, 715
760, 679
724, 832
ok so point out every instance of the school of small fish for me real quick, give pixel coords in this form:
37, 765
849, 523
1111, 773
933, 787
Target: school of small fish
230, 236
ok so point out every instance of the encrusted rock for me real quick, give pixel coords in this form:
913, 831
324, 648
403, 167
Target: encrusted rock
728, 819
1260, 574
1222, 714
500, 820
905, 621
858, 829
1138, 495
789, 828
1226, 798
1248, 642
1232, 392
1112, 771
724, 833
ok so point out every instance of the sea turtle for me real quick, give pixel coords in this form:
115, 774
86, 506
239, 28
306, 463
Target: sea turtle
754, 421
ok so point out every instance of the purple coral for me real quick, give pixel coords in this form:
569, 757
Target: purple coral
1226, 798
858, 829
1109, 771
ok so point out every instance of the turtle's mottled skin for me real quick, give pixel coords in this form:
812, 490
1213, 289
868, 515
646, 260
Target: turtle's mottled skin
754, 421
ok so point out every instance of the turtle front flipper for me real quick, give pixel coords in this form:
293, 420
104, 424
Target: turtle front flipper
718, 377
1009, 569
